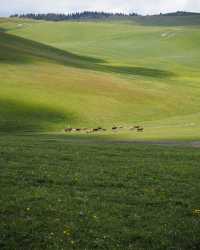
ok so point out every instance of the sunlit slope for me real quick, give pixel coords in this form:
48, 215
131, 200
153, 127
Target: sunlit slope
87, 74
120, 43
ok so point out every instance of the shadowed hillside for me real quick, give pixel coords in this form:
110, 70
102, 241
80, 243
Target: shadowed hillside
16, 116
14, 49
169, 20
90, 74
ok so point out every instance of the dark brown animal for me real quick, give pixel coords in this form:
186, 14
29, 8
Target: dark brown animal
95, 129
114, 128
137, 127
140, 130
68, 129
101, 129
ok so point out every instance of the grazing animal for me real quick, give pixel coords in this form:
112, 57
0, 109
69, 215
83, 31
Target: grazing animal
114, 128
140, 130
68, 129
137, 127
95, 129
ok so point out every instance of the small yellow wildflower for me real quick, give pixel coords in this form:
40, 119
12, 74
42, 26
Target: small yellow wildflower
66, 232
196, 212
72, 242
28, 209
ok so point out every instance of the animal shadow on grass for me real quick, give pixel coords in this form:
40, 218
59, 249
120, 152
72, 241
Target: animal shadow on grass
14, 49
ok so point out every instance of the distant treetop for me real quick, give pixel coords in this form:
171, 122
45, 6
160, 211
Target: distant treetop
91, 15
73, 16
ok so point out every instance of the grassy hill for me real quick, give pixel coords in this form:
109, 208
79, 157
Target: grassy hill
63, 194
163, 20
90, 192
87, 73
171, 19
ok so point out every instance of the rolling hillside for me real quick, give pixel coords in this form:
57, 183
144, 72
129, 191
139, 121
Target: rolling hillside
54, 75
179, 18
170, 19
103, 190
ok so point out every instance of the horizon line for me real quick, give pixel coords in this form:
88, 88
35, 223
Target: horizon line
97, 11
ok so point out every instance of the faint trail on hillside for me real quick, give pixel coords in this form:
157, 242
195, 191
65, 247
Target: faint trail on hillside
60, 137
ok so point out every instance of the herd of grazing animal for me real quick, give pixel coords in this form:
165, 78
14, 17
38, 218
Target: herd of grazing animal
100, 129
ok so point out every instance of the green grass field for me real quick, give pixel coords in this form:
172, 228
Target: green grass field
107, 190
54, 75
58, 193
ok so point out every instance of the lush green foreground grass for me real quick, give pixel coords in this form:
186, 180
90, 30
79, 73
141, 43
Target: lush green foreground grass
75, 194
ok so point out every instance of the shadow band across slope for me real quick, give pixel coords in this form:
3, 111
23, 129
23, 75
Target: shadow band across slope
14, 49
16, 116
